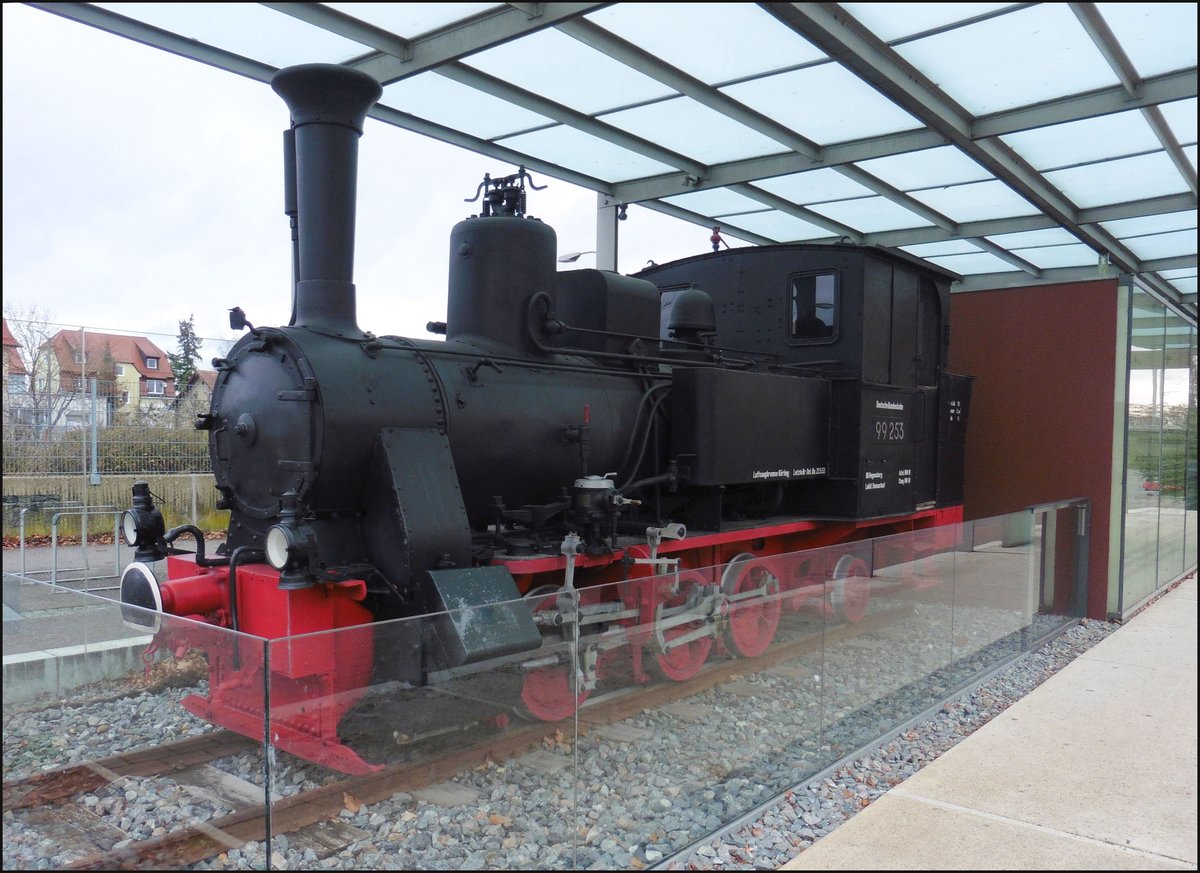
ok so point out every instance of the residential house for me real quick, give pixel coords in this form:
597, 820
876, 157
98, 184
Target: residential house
16, 380
196, 396
133, 374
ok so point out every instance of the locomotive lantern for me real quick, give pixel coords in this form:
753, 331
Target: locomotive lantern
570, 429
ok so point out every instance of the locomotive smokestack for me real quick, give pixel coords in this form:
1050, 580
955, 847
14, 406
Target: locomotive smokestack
329, 104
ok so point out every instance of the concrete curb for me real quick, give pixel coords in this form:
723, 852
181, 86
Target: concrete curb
30, 674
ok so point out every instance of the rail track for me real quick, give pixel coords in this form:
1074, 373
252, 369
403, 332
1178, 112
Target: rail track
202, 840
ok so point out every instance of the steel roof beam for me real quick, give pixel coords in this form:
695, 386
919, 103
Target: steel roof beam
328, 18
997, 226
836, 33
625, 52
489, 149
641, 60
481, 81
1008, 257
1108, 44
1167, 88
1061, 275
705, 221
897, 196
1138, 208
488, 29
1166, 136
786, 206
146, 34
985, 281
1178, 262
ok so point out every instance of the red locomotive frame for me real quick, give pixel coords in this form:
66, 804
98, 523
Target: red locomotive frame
312, 679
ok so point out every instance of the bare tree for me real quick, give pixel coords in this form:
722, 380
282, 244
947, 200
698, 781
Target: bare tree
43, 403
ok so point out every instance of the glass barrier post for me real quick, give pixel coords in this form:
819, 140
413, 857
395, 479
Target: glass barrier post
268, 750
1082, 547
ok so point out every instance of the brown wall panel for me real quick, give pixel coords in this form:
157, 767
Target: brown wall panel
1041, 416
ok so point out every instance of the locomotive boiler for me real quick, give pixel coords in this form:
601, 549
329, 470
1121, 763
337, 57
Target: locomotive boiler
569, 429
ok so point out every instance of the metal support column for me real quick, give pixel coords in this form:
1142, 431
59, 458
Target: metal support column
606, 232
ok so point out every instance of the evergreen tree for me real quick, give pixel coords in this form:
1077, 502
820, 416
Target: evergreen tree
184, 362
106, 374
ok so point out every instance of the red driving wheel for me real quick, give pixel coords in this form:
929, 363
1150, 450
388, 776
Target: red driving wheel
683, 661
851, 593
753, 621
546, 691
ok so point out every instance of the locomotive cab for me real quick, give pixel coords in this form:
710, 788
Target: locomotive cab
871, 325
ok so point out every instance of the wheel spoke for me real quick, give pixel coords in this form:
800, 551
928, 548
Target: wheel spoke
546, 691
851, 589
754, 620
682, 661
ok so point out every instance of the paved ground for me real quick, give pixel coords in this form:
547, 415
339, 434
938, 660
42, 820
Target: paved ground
1094, 770
37, 617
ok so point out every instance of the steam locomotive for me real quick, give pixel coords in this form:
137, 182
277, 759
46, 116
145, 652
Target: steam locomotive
571, 429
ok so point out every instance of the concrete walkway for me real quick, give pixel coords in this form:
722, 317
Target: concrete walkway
1093, 770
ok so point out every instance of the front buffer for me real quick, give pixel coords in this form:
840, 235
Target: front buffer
298, 690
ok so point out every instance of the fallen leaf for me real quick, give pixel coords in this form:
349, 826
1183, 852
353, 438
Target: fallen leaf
352, 804
497, 819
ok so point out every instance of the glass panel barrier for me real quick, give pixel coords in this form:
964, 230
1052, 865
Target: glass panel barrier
890, 633
1063, 567
609, 727
994, 580
1143, 479
109, 759
697, 717
717, 704
1189, 465
1175, 395
416, 744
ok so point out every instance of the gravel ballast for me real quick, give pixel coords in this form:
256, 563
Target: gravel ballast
668, 778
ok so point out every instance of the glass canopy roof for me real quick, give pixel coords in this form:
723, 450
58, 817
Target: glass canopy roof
1009, 143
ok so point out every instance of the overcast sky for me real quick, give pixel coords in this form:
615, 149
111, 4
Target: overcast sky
141, 188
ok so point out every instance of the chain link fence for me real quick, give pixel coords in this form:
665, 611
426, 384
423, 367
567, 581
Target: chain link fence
84, 444
89, 411
39, 451
92, 426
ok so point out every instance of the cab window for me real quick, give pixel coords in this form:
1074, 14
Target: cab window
814, 307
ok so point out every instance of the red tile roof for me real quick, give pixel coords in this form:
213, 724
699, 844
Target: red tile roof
207, 377
16, 366
125, 350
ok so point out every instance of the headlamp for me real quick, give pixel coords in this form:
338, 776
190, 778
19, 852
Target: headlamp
279, 542
129, 527
291, 546
143, 527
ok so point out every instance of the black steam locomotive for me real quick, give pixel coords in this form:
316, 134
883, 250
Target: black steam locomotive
572, 428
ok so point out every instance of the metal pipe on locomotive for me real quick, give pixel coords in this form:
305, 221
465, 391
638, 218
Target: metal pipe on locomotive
571, 429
